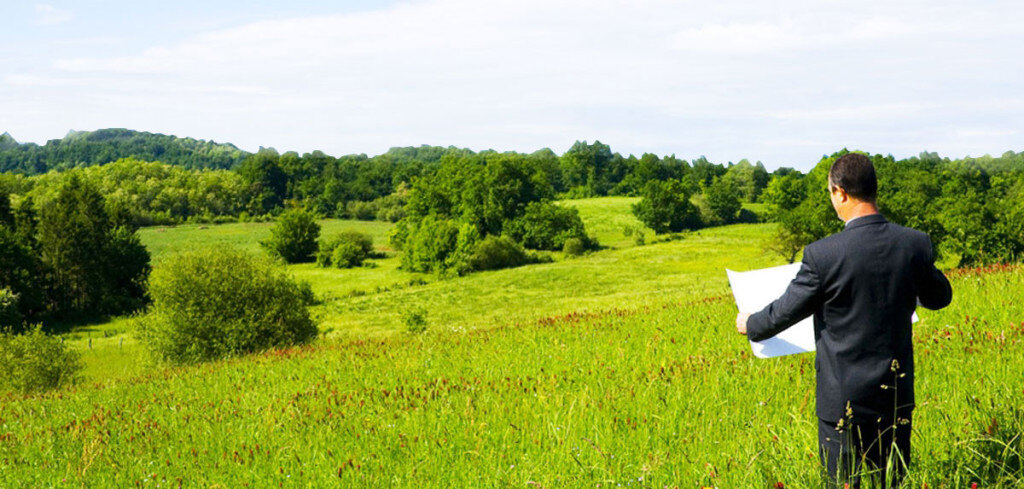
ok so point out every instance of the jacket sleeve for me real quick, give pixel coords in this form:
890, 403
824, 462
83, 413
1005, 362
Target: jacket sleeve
800, 300
933, 289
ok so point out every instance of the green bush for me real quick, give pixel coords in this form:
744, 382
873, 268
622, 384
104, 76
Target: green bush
574, 247
666, 208
363, 211
723, 202
438, 245
294, 236
214, 303
496, 252
361, 248
35, 361
429, 244
546, 226
348, 255
389, 208
391, 214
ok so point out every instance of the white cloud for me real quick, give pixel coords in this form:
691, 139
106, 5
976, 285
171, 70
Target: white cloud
727, 80
49, 15
860, 113
737, 38
787, 34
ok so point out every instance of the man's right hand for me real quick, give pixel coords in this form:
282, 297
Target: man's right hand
741, 322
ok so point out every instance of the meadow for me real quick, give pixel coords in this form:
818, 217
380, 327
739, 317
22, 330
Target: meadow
618, 368
369, 301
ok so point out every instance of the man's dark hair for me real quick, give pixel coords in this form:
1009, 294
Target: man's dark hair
855, 174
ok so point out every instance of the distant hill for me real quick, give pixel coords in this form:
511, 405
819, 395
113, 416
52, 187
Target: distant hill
85, 148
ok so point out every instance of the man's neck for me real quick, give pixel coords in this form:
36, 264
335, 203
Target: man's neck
861, 209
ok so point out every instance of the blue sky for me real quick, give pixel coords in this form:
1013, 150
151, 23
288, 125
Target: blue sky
781, 82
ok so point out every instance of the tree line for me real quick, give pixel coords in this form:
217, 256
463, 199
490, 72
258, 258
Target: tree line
966, 204
85, 148
351, 186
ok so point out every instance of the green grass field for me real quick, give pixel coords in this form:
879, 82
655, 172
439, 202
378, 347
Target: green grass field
618, 368
369, 301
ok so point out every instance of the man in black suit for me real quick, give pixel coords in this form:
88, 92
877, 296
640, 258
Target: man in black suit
862, 286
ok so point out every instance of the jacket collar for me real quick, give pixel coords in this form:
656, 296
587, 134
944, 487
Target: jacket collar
866, 220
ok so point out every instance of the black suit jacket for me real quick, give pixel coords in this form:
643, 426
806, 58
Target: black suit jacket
862, 286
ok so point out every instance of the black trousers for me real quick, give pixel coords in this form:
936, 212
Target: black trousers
875, 451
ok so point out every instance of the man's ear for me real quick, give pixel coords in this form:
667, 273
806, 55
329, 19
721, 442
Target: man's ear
843, 196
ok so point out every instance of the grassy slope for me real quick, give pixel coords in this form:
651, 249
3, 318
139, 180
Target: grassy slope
651, 387
617, 278
607, 217
369, 301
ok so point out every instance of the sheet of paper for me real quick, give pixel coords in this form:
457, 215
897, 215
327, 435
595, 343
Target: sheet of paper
756, 289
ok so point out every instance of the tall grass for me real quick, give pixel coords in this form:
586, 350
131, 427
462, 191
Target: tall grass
645, 397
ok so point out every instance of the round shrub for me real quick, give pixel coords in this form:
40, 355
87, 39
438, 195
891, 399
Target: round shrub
391, 214
214, 303
294, 236
348, 255
574, 247
723, 201
35, 361
437, 245
496, 252
361, 242
363, 211
665, 207
546, 226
